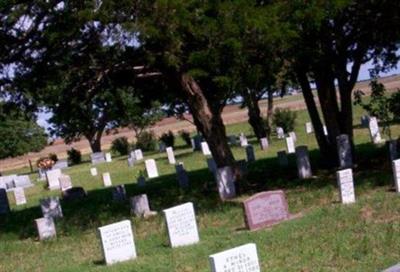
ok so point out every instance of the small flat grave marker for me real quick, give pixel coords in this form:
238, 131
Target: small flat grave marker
4, 203
107, 179
93, 171
309, 128
117, 242
346, 186
170, 155
19, 196
151, 168
181, 224
239, 259
46, 228
52, 179
51, 207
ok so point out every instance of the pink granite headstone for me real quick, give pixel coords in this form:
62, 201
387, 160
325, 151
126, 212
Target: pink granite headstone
265, 209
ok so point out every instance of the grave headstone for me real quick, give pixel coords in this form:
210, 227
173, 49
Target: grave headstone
138, 154
303, 162
226, 183
395, 268
19, 196
280, 133
264, 143
4, 203
131, 162
374, 130
364, 121
151, 168
243, 140
212, 166
51, 207
197, 142
265, 209
309, 128
140, 206
170, 155
346, 186
239, 259
46, 228
141, 181
182, 176
107, 180
52, 179
108, 157
344, 151
60, 164
93, 171
119, 193
250, 153
74, 193
65, 182
117, 242
282, 158
205, 149
97, 158
181, 225
161, 147
290, 145
42, 174
22, 182
7, 182
396, 174
292, 134
392, 150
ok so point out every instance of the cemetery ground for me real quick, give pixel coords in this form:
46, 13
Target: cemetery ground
329, 236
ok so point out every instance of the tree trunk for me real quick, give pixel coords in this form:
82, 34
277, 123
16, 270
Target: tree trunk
254, 113
95, 141
270, 112
208, 121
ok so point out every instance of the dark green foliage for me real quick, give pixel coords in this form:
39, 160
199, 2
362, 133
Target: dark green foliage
53, 157
146, 141
285, 119
168, 139
120, 146
74, 156
186, 137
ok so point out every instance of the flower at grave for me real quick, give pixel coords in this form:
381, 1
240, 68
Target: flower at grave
45, 163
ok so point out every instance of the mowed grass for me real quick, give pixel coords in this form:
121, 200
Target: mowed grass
328, 237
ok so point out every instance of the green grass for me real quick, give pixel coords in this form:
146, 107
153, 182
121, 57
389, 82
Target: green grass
328, 237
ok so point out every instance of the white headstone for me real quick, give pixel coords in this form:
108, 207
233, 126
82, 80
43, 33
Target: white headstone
19, 196
205, 149
22, 181
108, 157
292, 134
93, 171
117, 242
374, 130
181, 224
65, 182
264, 143
226, 182
107, 179
138, 154
151, 168
309, 128
52, 179
170, 155
290, 145
243, 140
239, 259
280, 133
346, 186
396, 174
45, 228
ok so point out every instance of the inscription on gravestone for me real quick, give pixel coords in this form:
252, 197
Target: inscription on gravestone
45, 228
346, 186
19, 196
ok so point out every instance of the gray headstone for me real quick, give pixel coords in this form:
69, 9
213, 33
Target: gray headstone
162, 147
45, 228
364, 121
303, 162
97, 158
4, 203
170, 155
22, 182
51, 207
264, 143
182, 176
119, 193
282, 158
250, 153
226, 182
52, 179
344, 151
280, 133
60, 164
232, 140
42, 174
139, 205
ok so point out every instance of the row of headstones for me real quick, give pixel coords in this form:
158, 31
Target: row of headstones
12, 182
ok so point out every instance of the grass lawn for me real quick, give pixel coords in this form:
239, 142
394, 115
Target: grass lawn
328, 237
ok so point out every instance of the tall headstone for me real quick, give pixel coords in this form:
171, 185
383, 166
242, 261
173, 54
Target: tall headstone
226, 183
309, 128
4, 203
250, 153
170, 155
392, 150
182, 176
93, 171
52, 179
138, 154
264, 143
346, 186
205, 149
97, 158
65, 182
290, 145
181, 225
374, 130
282, 158
107, 179
119, 193
51, 207
140, 205
344, 151
117, 242
19, 196
303, 162
265, 209
396, 174
108, 157
280, 133
239, 259
46, 228
151, 168
292, 134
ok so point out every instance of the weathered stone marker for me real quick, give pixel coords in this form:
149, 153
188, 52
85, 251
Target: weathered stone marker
396, 174
282, 158
65, 182
140, 206
108, 157
264, 143
292, 135
138, 154
232, 140
97, 158
346, 186
107, 179
364, 121
374, 130
151, 168
51, 207
205, 149
280, 133
117, 242
119, 193
239, 259
344, 151
170, 155
290, 145
4, 203
303, 162
19, 196
22, 181
181, 225
46, 228
182, 176
196, 142
52, 179
250, 153
93, 171
226, 183
309, 128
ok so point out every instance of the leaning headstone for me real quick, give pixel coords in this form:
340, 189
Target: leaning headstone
107, 179
239, 259
364, 121
93, 171
344, 151
151, 168
22, 182
108, 157
396, 174
290, 145
395, 268
282, 158
138, 154
140, 206
119, 193
250, 153
205, 149
97, 158
226, 183
346, 186
170, 155
265, 209
292, 134
141, 181
19, 196
264, 143
52, 179
117, 242
303, 162
309, 128
212, 166
4, 203
161, 147
60, 164
280, 133
182, 176
46, 228
181, 225
392, 150
51, 207
65, 182
374, 130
